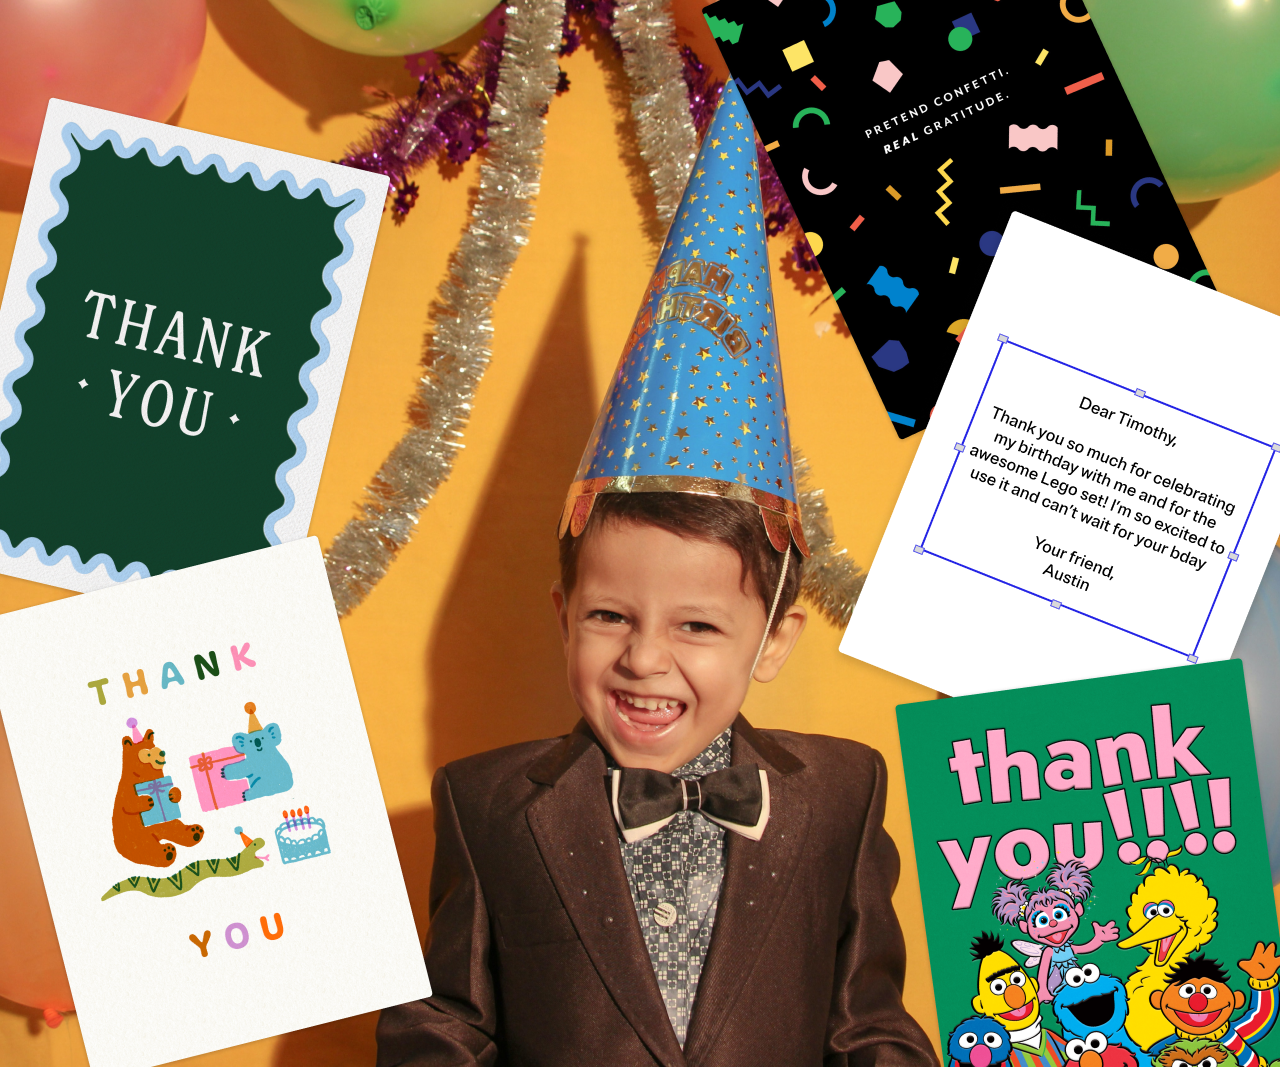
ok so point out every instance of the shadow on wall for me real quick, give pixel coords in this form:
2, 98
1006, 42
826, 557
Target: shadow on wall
495, 664
324, 80
351, 1041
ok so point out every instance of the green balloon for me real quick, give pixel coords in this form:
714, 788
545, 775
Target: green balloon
1204, 79
384, 27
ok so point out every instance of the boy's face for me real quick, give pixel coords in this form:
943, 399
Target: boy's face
660, 636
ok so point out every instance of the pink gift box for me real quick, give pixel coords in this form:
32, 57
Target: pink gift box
214, 791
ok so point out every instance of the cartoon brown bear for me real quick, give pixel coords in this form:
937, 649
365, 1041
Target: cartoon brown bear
143, 761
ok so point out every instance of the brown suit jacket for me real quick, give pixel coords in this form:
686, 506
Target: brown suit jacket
535, 953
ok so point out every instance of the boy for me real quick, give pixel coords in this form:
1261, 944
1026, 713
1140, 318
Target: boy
668, 885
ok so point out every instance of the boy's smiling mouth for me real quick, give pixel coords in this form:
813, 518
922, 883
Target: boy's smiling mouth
647, 714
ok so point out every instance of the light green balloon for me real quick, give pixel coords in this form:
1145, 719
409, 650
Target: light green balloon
1204, 79
384, 27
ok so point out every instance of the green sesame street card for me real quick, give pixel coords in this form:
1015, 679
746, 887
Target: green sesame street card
1094, 872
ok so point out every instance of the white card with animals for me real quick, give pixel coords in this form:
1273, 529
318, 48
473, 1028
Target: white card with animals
205, 808
1098, 491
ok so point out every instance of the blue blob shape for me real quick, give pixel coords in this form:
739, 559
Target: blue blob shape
748, 89
902, 420
1133, 193
990, 241
886, 285
992, 1038
890, 356
967, 22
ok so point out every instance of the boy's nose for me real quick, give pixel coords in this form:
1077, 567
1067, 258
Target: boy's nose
645, 656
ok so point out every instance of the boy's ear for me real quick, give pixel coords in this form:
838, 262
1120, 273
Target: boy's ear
561, 604
785, 635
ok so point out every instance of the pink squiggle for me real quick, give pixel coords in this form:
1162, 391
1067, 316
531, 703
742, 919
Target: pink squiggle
1033, 137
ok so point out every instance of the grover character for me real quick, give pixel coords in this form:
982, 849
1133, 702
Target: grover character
1050, 917
979, 1042
263, 764
667, 884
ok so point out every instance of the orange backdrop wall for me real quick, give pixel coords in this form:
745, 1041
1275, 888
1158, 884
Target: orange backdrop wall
455, 651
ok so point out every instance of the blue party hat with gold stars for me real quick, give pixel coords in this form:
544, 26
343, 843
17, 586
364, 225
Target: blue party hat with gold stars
696, 404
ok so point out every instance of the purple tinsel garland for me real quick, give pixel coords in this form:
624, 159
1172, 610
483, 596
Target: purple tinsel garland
448, 117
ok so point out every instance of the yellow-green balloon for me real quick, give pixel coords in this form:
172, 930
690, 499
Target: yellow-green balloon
384, 27
1204, 79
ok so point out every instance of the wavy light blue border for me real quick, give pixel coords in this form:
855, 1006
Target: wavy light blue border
74, 138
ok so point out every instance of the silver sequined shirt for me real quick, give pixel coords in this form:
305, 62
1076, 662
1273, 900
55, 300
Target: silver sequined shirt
680, 867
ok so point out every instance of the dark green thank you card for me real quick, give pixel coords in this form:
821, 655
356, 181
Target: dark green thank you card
173, 338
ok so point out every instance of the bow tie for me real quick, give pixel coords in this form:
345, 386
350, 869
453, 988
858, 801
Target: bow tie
644, 801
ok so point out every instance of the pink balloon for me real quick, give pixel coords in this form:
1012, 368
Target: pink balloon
31, 970
134, 56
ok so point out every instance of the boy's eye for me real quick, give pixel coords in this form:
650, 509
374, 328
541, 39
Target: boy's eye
606, 616
698, 628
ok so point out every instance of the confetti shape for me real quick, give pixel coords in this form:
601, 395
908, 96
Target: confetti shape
892, 289
886, 76
888, 15
724, 30
890, 356
967, 22
797, 55
960, 39
748, 89
1033, 137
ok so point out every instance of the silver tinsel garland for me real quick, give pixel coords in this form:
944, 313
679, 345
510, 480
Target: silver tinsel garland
457, 350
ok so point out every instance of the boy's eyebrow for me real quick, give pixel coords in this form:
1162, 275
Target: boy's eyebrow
996, 974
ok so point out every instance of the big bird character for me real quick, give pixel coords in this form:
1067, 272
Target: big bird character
1007, 994
1199, 1004
1171, 914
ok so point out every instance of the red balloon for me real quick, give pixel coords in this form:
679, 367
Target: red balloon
134, 56
31, 970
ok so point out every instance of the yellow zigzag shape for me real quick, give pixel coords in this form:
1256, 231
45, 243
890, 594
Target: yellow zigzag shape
946, 200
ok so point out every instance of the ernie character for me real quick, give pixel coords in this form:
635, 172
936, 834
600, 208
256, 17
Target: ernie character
1199, 1004
1007, 994
666, 884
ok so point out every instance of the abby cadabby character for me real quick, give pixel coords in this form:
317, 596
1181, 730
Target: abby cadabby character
1050, 917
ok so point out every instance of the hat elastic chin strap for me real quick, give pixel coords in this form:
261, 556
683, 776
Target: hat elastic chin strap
773, 610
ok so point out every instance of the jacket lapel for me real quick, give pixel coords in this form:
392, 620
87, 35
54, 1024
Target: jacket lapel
757, 875
576, 835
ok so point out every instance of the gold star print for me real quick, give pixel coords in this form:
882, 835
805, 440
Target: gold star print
710, 218
635, 404
673, 462
717, 465
724, 386
635, 466
710, 421
751, 289
626, 423
610, 455
764, 329
694, 369
682, 432
653, 428
737, 443
753, 211
697, 252
627, 453
732, 253
715, 142
687, 240
700, 173
674, 396
763, 377
732, 193
644, 376
699, 402
724, 155
657, 345
745, 428
737, 125
666, 358
737, 228
704, 353
728, 299
751, 401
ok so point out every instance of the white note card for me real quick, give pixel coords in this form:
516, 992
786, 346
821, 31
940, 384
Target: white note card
205, 808
1099, 489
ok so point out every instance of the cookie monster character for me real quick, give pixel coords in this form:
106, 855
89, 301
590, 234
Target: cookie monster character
1089, 1003
263, 765
979, 1042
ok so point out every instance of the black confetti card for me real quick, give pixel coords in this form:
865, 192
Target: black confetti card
906, 133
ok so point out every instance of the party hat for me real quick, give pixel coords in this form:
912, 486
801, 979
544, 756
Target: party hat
696, 404
133, 725
252, 708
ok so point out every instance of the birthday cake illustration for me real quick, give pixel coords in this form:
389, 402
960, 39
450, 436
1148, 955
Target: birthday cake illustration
301, 836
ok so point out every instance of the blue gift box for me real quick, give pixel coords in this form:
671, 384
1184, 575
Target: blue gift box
164, 809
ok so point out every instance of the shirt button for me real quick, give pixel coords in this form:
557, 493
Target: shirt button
665, 913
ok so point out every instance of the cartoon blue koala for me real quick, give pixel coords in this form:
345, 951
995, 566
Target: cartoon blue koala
263, 765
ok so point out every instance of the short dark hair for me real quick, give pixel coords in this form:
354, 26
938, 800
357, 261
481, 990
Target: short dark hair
1198, 967
732, 523
984, 944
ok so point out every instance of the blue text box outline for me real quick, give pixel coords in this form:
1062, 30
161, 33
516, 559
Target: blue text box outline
1232, 557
